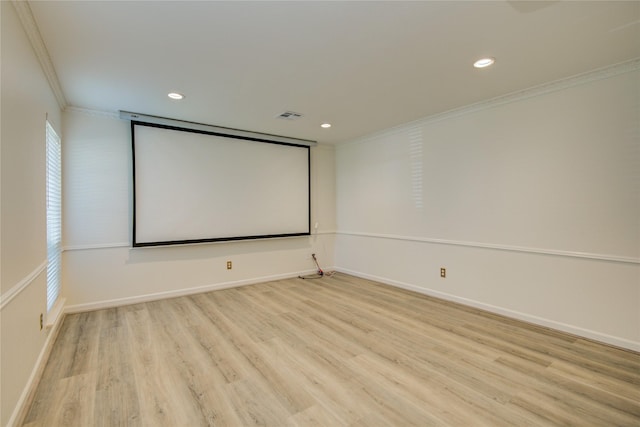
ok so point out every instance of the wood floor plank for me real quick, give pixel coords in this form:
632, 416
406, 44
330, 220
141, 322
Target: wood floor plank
413, 390
596, 380
547, 350
294, 400
314, 416
75, 405
116, 399
335, 351
152, 384
255, 405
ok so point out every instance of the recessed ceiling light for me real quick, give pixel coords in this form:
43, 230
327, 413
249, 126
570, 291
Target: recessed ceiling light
325, 125
484, 62
175, 95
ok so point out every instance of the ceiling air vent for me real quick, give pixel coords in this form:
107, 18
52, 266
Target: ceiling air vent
289, 115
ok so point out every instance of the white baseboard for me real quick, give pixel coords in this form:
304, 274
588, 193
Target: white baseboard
99, 305
571, 329
20, 410
53, 316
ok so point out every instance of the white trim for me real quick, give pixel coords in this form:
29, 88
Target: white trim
6, 297
165, 121
55, 313
99, 305
94, 246
574, 330
542, 89
30, 27
93, 113
494, 246
22, 405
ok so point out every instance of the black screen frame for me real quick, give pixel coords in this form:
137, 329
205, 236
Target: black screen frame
137, 244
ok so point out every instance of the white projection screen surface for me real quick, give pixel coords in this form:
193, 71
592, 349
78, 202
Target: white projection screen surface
195, 187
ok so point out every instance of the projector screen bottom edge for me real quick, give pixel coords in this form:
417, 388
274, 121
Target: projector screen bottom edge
136, 244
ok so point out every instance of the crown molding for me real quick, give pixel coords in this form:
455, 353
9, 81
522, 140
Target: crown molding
37, 43
542, 89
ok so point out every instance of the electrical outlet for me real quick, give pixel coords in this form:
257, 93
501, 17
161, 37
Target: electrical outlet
229, 265
41, 321
443, 272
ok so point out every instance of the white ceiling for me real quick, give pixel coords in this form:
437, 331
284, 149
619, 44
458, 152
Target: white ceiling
362, 66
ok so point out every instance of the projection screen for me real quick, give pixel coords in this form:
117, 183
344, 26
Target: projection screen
193, 186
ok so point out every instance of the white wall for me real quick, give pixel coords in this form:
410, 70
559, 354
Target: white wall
100, 268
26, 101
531, 202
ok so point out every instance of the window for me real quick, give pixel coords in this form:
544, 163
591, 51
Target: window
54, 216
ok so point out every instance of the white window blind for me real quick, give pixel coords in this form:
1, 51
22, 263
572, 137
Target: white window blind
54, 216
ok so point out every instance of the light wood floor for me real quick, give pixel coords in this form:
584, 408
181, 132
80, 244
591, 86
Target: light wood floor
331, 352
